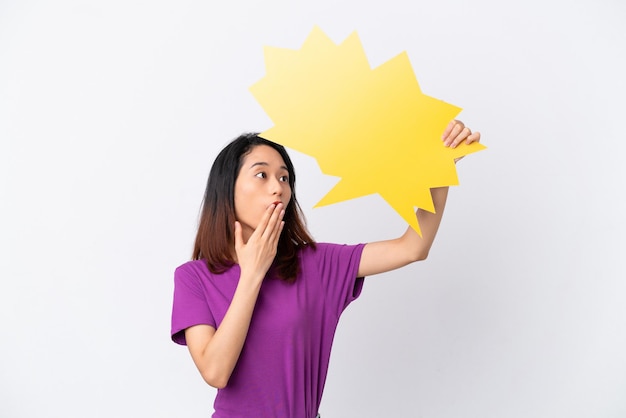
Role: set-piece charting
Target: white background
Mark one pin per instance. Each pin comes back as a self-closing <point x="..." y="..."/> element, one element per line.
<point x="112" y="112"/>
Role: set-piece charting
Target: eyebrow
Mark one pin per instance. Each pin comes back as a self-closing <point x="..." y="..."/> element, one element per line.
<point x="267" y="165"/>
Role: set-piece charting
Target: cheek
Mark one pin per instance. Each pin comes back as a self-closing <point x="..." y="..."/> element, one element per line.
<point x="244" y="191"/>
<point x="242" y="200"/>
<point x="248" y="207"/>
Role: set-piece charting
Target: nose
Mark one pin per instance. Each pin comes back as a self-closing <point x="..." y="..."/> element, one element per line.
<point x="276" y="187"/>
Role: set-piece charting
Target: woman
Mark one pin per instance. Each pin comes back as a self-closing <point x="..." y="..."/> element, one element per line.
<point x="259" y="304"/>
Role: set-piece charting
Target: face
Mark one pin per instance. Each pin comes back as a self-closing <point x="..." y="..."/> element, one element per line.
<point x="262" y="181"/>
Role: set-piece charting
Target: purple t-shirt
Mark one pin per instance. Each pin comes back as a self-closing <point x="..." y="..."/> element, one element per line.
<point x="283" y="364"/>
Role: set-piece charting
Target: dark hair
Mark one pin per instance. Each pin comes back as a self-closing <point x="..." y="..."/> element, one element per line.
<point x="215" y="238"/>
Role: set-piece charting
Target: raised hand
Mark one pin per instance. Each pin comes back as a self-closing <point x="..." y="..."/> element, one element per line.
<point x="257" y="254"/>
<point x="456" y="132"/>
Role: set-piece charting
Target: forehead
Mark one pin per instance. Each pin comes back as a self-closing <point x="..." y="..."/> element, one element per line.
<point x="263" y="154"/>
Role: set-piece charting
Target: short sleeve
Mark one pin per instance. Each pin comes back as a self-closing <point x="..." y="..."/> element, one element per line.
<point x="339" y="266"/>
<point x="190" y="306"/>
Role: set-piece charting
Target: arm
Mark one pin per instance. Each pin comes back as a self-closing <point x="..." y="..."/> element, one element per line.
<point x="383" y="256"/>
<point x="215" y="352"/>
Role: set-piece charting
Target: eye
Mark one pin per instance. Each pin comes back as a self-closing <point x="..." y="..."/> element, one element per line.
<point x="260" y="175"/>
<point x="284" y="178"/>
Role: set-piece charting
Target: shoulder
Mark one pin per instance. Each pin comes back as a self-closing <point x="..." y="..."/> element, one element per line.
<point x="199" y="269"/>
<point x="191" y="267"/>
<point x="327" y="250"/>
<point x="192" y="264"/>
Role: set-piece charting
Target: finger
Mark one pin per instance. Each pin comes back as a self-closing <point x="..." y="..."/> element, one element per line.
<point x="454" y="133"/>
<point x="273" y="221"/>
<point x="265" y="219"/>
<point x="465" y="133"/>
<point x="238" y="235"/>
<point x="281" y="226"/>
<point x="448" y="129"/>
<point x="474" y="137"/>
<point x="276" y="231"/>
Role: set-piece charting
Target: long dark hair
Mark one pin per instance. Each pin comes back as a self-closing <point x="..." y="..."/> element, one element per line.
<point x="215" y="238"/>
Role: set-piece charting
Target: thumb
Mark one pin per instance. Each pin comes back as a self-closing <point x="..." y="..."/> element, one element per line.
<point x="238" y="235"/>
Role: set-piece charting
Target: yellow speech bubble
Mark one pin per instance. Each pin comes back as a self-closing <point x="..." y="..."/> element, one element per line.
<point x="373" y="128"/>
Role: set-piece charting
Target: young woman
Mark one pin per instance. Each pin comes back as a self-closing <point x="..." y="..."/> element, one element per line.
<point x="259" y="304"/>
